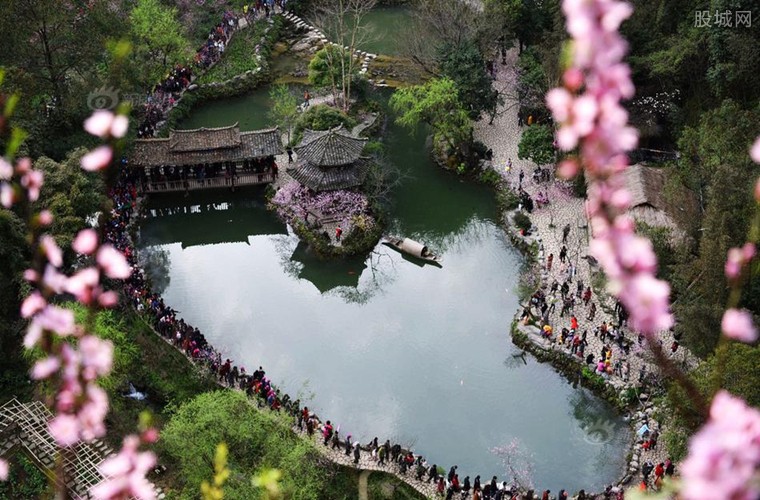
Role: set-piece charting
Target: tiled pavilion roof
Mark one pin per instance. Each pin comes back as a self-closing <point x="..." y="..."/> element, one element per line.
<point x="206" y="145"/>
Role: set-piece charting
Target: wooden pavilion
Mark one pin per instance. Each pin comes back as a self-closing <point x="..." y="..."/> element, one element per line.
<point x="206" y="158"/>
<point x="329" y="160"/>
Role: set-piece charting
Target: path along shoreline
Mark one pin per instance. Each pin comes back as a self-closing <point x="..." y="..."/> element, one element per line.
<point x="564" y="209"/>
<point x="502" y="137"/>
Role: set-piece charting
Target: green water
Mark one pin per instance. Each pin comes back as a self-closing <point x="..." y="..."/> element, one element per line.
<point x="387" y="28"/>
<point x="386" y="347"/>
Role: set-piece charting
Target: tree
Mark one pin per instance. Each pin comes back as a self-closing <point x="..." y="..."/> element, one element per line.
<point x="158" y="37"/>
<point x="284" y="110"/>
<point x="344" y="19"/>
<point x="537" y="145"/>
<point x="464" y="64"/>
<point x="437" y="103"/>
<point x="326" y="69"/>
<point x="46" y="39"/>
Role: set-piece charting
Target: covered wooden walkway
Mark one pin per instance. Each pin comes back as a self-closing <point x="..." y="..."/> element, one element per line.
<point x="205" y="158"/>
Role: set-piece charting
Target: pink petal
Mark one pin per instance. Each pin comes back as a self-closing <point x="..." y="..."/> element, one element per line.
<point x="737" y="324"/>
<point x="119" y="126"/>
<point x="113" y="262"/>
<point x="33" y="304"/>
<point x="45" y="367"/>
<point x="108" y="299"/>
<point x="97" y="159"/>
<point x="85" y="242"/>
<point x="6" y="169"/>
<point x="46" y="217"/>
<point x="3" y="470"/>
<point x="7" y="195"/>
<point x="754" y="152"/>
<point x="51" y="250"/>
<point x="65" y="429"/>
<point x="99" y="123"/>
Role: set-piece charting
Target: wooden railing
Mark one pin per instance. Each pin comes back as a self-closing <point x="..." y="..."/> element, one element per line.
<point x="243" y="179"/>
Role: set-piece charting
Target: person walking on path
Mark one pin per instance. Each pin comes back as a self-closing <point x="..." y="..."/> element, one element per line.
<point x="289" y="150"/>
<point x="306" y="98"/>
<point x="327" y="432"/>
<point x="348" y="445"/>
<point x="562" y="253"/>
<point x="549" y="261"/>
<point x="356" y="453"/>
<point x="338" y="233"/>
<point x="565" y="233"/>
<point x="591" y="312"/>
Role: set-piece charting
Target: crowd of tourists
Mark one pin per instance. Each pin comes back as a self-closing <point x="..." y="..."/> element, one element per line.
<point x="166" y="93"/>
<point x="194" y="345"/>
<point x="394" y="457"/>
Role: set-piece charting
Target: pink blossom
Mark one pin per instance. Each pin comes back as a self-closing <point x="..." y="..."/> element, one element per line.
<point x="119" y="126"/>
<point x="754" y="152"/>
<point x="54" y="279"/>
<point x="104" y="123"/>
<point x="6" y="170"/>
<point x="125" y="473"/>
<point x="32" y="182"/>
<point x="45" y="367"/>
<point x="737" y="258"/>
<point x="724" y="455"/>
<point x="51" y="250"/>
<point x="113" y="262"/>
<point x="97" y="356"/>
<point x="92" y="413"/>
<point x="591" y="118"/>
<point x="97" y="159"/>
<point x="757" y="190"/>
<point x="33" y="304"/>
<point x="737" y="324"/>
<point x="3" y="470"/>
<point x="85" y="242"/>
<point x="99" y="123"/>
<point x="82" y="284"/>
<point x="7" y="195"/>
<point x="108" y="299"/>
<point x="45" y="218"/>
<point x="65" y="429"/>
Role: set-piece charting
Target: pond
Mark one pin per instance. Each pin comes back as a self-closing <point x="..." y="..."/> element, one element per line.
<point x="385" y="347"/>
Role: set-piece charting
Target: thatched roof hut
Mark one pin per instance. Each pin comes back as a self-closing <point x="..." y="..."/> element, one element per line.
<point x="650" y="204"/>
<point x="206" y="145"/>
<point x="330" y="159"/>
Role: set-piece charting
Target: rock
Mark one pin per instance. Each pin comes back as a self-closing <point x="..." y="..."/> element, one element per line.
<point x="381" y="81"/>
<point x="301" y="46"/>
<point x="192" y="87"/>
<point x="242" y="23"/>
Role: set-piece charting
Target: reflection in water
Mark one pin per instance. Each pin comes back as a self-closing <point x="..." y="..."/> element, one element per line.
<point x="395" y="350"/>
<point x="155" y="261"/>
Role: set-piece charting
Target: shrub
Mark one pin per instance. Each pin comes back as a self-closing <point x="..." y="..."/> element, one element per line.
<point x="522" y="221"/>
<point x="321" y="117"/>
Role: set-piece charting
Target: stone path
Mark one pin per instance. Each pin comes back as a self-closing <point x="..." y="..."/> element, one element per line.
<point x="363" y="494"/>
<point x="548" y="222"/>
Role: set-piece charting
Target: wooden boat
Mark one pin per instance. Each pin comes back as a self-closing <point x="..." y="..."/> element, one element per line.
<point x="414" y="249"/>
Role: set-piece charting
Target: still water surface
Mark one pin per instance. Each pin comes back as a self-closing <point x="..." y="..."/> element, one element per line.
<point x="386" y="348"/>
